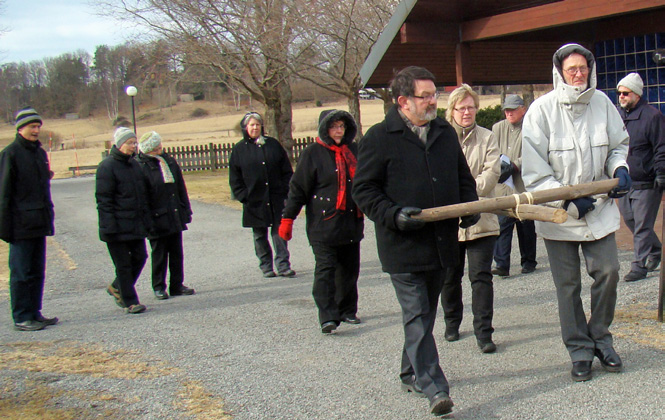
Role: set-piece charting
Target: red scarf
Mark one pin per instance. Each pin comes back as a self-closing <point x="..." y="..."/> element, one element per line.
<point x="346" y="163"/>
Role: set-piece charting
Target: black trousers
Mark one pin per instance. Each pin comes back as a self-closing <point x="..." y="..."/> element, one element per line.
<point x="335" y="288"/>
<point x="167" y="254"/>
<point x="129" y="258"/>
<point x="479" y="252"/>
<point x="418" y="295"/>
<point x="27" y="264"/>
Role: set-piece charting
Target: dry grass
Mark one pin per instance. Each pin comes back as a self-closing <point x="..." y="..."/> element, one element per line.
<point x="201" y="404"/>
<point x="211" y="187"/>
<point x="638" y="322"/>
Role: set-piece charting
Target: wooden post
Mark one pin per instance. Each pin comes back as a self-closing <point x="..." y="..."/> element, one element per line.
<point x="213" y="157"/>
<point x="531" y="212"/>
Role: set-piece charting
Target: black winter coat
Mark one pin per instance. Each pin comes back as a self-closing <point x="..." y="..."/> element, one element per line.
<point x="646" y="150"/>
<point x="169" y="205"/>
<point x="26" y="209"/>
<point x="259" y="177"/>
<point x="395" y="170"/>
<point x="314" y="185"/>
<point x="121" y="199"/>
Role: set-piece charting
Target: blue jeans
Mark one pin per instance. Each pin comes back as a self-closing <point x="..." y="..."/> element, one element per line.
<point x="639" y="209"/>
<point x="526" y="235"/>
<point x="27" y="265"/>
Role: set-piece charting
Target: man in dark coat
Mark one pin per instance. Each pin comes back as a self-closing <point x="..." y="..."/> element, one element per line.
<point x="123" y="217"/>
<point x="322" y="182"/>
<point x="170" y="212"/>
<point x="26" y="219"/>
<point x="259" y="175"/>
<point x="646" y="163"/>
<point x="412" y="160"/>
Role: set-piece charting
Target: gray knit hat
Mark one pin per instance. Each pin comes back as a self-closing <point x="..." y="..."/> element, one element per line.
<point x="26" y="116"/>
<point x="121" y="135"/>
<point x="634" y="82"/>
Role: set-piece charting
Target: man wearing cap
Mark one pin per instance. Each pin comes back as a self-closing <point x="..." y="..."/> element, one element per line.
<point x="26" y="219"/>
<point x="574" y="135"/>
<point x="646" y="160"/>
<point x="509" y="134"/>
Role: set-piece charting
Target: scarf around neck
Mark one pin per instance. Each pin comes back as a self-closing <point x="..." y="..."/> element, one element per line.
<point x="166" y="171"/>
<point x="345" y="162"/>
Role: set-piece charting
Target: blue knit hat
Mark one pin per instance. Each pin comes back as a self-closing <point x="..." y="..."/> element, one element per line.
<point x="26" y="116"/>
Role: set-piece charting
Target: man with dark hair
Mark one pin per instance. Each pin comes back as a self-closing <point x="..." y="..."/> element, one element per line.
<point x="646" y="160"/>
<point x="412" y="160"/>
<point x="574" y="135"/>
<point x="26" y="219"/>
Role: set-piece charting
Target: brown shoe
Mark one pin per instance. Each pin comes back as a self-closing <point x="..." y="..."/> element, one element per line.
<point x="136" y="308"/>
<point x="115" y="293"/>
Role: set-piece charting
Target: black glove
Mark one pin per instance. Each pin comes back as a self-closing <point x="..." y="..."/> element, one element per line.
<point x="468" y="221"/>
<point x="660" y="181"/>
<point x="404" y="221"/>
<point x="506" y="171"/>
<point x="624" y="183"/>
<point x="580" y="206"/>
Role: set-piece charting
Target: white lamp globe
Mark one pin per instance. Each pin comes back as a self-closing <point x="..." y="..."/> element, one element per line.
<point x="131" y="91"/>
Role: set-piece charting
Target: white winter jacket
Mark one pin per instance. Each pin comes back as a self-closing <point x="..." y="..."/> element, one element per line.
<point x="572" y="136"/>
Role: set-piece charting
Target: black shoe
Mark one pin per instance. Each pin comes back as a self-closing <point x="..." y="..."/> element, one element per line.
<point x="441" y="404"/>
<point x="46" y="321"/>
<point x="501" y="272"/>
<point x="269" y="274"/>
<point x="527" y="270"/>
<point x="351" y="319"/>
<point x="161" y="295"/>
<point x="29" y="325"/>
<point x="486" y="346"/>
<point x="451" y="334"/>
<point x="328" y="327"/>
<point x="652" y="264"/>
<point x="634" y="276"/>
<point x="287" y="273"/>
<point x="182" y="290"/>
<point x="409" y="385"/>
<point x="609" y="359"/>
<point x="581" y="371"/>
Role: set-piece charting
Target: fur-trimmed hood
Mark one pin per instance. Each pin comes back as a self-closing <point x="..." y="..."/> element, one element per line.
<point x="330" y="115"/>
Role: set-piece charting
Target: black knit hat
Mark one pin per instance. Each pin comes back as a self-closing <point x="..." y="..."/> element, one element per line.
<point x="26" y="116"/>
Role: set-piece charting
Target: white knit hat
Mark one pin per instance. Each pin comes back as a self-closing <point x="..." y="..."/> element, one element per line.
<point x="633" y="82"/>
<point x="149" y="141"/>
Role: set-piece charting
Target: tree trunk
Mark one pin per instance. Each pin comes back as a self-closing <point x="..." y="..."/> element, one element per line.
<point x="354" y="109"/>
<point x="528" y="95"/>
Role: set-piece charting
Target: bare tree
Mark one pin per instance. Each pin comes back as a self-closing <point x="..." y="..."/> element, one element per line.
<point x="109" y="72"/>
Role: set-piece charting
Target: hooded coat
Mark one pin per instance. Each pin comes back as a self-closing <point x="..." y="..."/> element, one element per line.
<point x="26" y="209"/>
<point x="395" y="170"/>
<point x="259" y="176"/>
<point x="315" y="185"/>
<point x="574" y="135"/>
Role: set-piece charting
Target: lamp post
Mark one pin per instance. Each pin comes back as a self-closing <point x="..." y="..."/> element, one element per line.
<point x="131" y="91"/>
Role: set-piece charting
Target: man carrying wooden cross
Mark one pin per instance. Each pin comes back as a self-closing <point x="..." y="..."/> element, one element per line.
<point x="570" y="136"/>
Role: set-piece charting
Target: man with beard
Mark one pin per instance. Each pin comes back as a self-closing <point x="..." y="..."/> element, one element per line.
<point x="410" y="161"/>
<point x="646" y="160"/>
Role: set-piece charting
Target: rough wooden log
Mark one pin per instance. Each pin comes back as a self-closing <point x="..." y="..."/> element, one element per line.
<point x="533" y="212"/>
<point x="488" y="205"/>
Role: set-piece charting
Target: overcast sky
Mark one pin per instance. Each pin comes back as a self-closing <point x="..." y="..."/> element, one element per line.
<point x="47" y="28"/>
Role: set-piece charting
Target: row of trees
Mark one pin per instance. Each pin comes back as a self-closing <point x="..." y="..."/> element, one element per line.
<point x="253" y="47"/>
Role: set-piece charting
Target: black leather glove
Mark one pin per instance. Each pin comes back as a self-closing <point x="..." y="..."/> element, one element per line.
<point x="468" y="221"/>
<point x="580" y="206"/>
<point x="624" y="183"/>
<point x="660" y="181"/>
<point x="404" y="221"/>
<point x="506" y="171"/>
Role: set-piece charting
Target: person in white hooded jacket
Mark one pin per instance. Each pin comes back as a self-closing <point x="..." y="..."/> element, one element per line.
<point x="574" y="135"/>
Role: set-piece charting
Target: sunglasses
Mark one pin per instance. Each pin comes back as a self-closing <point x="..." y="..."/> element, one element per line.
<point x="622" y="93"/>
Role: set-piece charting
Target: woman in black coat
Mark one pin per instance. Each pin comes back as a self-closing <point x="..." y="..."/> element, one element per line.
<point x="170" y="212"/>
<point x="259" y="175"/>
<point x="322" y="182"/>
<point x="123" y="217"/>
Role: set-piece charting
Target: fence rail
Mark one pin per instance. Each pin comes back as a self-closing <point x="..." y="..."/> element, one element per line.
<point x="216" y="156"/>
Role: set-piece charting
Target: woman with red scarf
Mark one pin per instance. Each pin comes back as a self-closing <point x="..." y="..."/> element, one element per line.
<point x="322" y="182"/>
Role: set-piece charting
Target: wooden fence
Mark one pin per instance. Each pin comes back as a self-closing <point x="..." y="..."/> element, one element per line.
<point x="216" y="156"/>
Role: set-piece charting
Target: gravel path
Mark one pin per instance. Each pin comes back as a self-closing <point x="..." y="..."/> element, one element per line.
<point x="254" y="346"/>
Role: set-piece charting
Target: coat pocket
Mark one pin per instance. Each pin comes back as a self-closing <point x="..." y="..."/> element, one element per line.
<point x="160" y="219"/>
<point x="30" y="217"/>
<point x="562" y="156"/>
<point x="126" y="221"/>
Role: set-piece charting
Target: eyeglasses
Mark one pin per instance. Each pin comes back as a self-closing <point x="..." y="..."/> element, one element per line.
<point x="623" y="93"/>
<point x="427" y="98"/>
<point x="469" y="109"/>
<point x="572" y="71"/>
<point x="338" y="127"/>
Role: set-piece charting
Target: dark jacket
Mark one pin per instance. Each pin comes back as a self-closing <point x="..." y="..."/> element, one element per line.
<point x="259" y="177"/>
<point x="169" y="206"/>
<point x="315" y="185"/>
<point x="121" y="199"/>
<point x="646" y="150"/>
<point x="26" y="209"/>
<point x="395" y="170"/>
